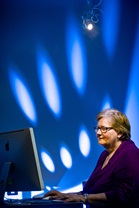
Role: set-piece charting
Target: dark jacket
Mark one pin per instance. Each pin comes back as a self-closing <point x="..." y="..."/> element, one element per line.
<point x="119" y="179"/>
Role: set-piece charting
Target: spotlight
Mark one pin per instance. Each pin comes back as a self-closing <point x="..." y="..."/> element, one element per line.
<point x="88" y="24"/>
<point x="91" y="16"/>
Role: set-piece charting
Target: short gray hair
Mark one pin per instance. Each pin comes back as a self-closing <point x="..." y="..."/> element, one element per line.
<point x="120" y="122"/>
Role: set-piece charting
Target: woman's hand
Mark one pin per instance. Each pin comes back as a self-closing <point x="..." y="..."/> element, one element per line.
<point x="74" y="198"/>
<point x="67" y="197"/>
<point x="54" y="194"/>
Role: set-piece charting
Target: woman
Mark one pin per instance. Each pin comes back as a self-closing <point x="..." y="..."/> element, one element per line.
<point x="115" y="180"/>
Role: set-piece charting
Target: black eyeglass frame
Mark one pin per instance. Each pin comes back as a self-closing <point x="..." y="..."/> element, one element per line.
<point x="103" y="129"/>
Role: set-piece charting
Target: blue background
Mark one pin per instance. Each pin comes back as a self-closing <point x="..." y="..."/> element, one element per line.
<point x="42" y="41"/>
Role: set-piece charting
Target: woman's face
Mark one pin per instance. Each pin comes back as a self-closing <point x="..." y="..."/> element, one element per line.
<point x="110" y="138"/>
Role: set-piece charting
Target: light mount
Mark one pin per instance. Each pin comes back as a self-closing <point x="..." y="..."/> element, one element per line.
<point x="91" y="15"/>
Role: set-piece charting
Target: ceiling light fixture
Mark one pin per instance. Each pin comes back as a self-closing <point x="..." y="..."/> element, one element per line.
<point x="92" y="15"/>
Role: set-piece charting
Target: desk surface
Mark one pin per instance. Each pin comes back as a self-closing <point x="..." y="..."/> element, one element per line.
<point x="49" y="205"/>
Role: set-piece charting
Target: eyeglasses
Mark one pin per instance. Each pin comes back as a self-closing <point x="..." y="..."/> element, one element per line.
<point x="103" y="129"/>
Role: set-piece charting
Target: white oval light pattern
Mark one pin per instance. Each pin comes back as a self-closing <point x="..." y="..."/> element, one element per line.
<point x="23" y="97"/>
<point x="66" y="157"/>
<point x="77" y="67"/>
<point x="50" y="88"/>
<point x="76" y="56"/>
<point x="84" y="142"/>
<point x="47" y="161"/>
<point x="49" y="85"/>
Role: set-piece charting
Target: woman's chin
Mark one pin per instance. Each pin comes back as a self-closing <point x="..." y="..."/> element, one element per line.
<point x="101" y="142"/>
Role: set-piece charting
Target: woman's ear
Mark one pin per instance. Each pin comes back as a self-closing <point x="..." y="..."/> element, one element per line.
<point x="119" y="135"/>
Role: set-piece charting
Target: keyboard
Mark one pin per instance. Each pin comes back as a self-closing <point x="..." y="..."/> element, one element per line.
<point x="31" y="201"/>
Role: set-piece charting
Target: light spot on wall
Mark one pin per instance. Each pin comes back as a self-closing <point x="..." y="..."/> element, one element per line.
<point x="110" y="25"/>
<point x="84" y="142"/>
<point x="23" y="96"/>
<point x="49" y="85"/>
<point x="76" y="57"/>
<point x="66" y="157"/>
<point x="47" y="161"/>
<point x="132" y="101"/>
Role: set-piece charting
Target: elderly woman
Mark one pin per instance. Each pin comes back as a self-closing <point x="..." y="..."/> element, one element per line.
<point x="115" y="179"/>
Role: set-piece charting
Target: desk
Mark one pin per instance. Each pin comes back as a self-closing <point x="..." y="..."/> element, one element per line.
<point x="49" y="205"/>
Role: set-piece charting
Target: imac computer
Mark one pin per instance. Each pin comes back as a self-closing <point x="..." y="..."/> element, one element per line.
<point x="19" y="162"/>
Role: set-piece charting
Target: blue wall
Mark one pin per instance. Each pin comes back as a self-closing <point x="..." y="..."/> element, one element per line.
<point x="55" y="76"/>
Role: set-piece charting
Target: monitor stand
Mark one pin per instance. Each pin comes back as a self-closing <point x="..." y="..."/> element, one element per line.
<point x="4" y="180"/>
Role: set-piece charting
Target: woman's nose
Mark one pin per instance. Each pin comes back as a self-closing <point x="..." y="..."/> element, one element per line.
<point x="98" y="132"/>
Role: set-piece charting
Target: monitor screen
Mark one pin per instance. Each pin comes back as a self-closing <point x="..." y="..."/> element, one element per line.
<point x="18" y="148"/>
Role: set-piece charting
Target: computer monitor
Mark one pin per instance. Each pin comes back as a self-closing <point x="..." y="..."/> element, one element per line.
<point x="19" y="162"/>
